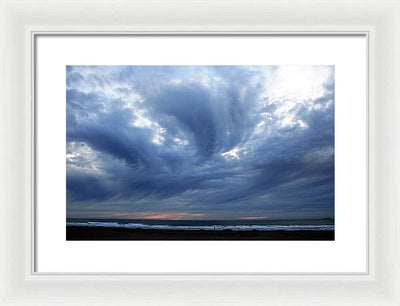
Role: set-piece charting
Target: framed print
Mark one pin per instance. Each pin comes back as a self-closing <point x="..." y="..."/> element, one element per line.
<point x="171" y="153"/>
<point x="176" y="146"/>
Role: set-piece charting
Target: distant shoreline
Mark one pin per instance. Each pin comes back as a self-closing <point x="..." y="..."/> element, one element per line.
<point x="75" y="233"/>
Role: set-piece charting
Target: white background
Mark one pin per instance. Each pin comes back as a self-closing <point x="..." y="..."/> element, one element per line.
<point x="348" y="253"/>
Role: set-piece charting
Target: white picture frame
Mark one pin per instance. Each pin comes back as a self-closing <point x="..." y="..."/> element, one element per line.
<point x="21" y="21"/>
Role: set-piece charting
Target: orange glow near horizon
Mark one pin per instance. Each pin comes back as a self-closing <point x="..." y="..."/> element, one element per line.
<point x="173" y="217"/>
<point x="178" y="216"/>
<point x="253" y="218"/>
<point x="160" y="217"/>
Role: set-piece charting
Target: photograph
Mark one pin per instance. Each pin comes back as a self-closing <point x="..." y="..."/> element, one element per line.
<point x="200" y="152"/>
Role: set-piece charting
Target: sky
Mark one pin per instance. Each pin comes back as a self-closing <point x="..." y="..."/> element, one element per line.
<point x="200" y="142"/>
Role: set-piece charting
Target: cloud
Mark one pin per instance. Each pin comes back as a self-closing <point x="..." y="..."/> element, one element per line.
<point x="212" y="142"/>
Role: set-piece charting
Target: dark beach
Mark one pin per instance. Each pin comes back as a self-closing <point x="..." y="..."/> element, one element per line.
<point x="105" y="233"/>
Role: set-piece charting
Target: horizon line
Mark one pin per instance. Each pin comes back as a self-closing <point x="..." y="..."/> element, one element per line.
<point x="242" y="219"/>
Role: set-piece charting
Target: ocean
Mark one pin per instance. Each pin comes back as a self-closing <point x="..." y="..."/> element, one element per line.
<point x="209" y="225"/>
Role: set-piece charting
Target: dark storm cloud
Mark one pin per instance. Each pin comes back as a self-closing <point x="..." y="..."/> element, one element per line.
<point x="223" y="141"/>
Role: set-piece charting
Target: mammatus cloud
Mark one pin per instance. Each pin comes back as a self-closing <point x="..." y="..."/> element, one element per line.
<point x="200" y="142"/>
